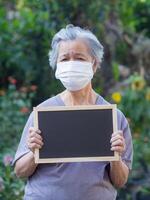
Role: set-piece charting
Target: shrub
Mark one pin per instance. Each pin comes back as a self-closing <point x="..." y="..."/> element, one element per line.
<point x="10" y="186"/>
<point x="134" y="101"/>
<point x="15" y="105"/>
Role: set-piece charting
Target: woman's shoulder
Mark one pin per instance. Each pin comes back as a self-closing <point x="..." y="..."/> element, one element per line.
<point x="52" y="101"/>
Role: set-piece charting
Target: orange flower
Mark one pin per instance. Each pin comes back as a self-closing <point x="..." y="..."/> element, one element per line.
<point x="24" y="110"/>
<point x="33" y="88"/>
<point x="12" y="80"/>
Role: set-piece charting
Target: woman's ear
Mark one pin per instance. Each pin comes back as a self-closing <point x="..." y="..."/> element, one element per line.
<point x="95" y="66"/>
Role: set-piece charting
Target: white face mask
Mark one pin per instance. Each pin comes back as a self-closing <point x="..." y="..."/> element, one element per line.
<point x="74" y="75"/>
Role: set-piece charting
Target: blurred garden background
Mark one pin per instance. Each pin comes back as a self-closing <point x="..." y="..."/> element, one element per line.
<point x="26" y="30"/>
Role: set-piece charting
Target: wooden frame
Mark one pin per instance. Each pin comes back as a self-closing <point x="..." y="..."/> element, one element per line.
<point x="116" y="156"/>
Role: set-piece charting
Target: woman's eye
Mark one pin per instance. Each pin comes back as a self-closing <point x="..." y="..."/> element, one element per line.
<point x="80" y="59"/>
<point x="64" y="59"/>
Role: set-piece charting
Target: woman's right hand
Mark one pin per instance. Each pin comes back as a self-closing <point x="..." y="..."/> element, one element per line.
<point x="34" y="140"/>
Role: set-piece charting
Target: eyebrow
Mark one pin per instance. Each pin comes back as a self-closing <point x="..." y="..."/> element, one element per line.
<point x="76" y="54"/>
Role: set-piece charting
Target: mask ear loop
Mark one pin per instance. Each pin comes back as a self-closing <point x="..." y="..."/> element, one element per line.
<point x="93" y="62"/>
<point x="94" y="70"/>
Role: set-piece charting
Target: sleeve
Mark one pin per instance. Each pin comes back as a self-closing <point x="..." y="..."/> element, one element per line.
<point x="22" y="147"/>
<point x="127" y="156"/>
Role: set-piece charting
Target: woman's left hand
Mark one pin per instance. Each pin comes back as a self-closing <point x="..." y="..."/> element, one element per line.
<point x="118" y="142"/>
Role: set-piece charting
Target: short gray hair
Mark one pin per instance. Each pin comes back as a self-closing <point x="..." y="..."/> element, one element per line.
<point x="72" y="32"/>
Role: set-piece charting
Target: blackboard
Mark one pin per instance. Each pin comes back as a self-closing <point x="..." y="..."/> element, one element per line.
<point x="75" y="134"/>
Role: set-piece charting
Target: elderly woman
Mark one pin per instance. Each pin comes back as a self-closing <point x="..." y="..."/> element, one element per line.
<point x="76" y="54"/>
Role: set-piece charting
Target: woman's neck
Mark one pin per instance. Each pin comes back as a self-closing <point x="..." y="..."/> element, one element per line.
<point x="86" y="96"/>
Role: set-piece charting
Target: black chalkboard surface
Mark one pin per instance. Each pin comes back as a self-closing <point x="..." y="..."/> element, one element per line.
<point x="75" y="134"/>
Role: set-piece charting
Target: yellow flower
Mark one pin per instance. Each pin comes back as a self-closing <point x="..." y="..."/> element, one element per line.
<point x="138" y="84"/>
<point x="116" y="96"/>
<point x="147" y="96"/>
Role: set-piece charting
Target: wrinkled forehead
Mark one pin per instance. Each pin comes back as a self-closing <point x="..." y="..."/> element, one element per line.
<point x="73" y="47"/>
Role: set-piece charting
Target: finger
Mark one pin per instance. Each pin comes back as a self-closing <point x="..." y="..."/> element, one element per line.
<point x="33" y="129"/>
<point x="116" y="137"/>
<point x="120" y="132"/>
<point x="118" y="149"/>
<point x="35" y="135"/>
<point x="35" y="140"/>
<point x="117" y="143"/>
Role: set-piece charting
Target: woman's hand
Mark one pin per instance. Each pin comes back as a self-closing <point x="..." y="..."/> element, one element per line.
<point x="118" y="142"/>
<point x="25" y="166"/>
<point x="118" y="169"/>
<point x="34" y="140"/>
